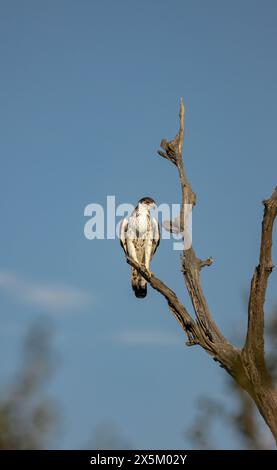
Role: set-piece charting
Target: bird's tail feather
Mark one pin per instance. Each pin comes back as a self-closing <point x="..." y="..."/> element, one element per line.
<point x="139" y="284"/>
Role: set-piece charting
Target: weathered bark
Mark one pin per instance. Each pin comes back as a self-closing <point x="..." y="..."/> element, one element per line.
<point x="263" y="393"/>
<point x="246" y="366"/>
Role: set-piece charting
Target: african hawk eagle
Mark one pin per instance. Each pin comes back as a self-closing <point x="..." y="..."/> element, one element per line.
<point x="139" y="238"/>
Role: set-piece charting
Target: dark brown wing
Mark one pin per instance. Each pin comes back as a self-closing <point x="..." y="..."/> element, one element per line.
<point x="156" y="236"/>
<point x="122" y="236"/>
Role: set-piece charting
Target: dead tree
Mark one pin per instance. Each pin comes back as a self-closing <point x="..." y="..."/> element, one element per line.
<point x="247" y="365"/>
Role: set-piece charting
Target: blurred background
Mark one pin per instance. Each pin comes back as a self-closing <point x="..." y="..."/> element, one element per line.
<point x="87" y="91"/>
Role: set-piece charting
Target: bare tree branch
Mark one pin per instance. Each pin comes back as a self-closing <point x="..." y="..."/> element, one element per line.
<point x="191" y="265"/>
<point x="247" y="367"/>
<point x="224" y="353"/>
<point x="254" y="346"/>
<point x="179" y="311"/>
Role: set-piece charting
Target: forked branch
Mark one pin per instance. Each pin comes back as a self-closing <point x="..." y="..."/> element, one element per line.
<point x="246" y="366"/>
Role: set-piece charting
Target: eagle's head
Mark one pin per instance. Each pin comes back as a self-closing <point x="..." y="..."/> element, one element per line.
<point x="147" y="202"/>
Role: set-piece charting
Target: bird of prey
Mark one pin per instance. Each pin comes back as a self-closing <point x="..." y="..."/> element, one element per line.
<point x="139" y="238"/>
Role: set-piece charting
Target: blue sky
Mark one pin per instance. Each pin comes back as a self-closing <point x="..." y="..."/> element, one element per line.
<point x="87" y="91"/>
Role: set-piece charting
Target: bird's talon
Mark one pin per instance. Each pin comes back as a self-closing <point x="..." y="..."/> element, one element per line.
<point x="146" y="269"/>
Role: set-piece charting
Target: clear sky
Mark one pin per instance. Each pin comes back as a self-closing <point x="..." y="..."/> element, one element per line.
<point x="87" y="91"/>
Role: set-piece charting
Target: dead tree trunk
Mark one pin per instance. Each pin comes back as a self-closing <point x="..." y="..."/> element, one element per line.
<point x="246" y="366"/>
